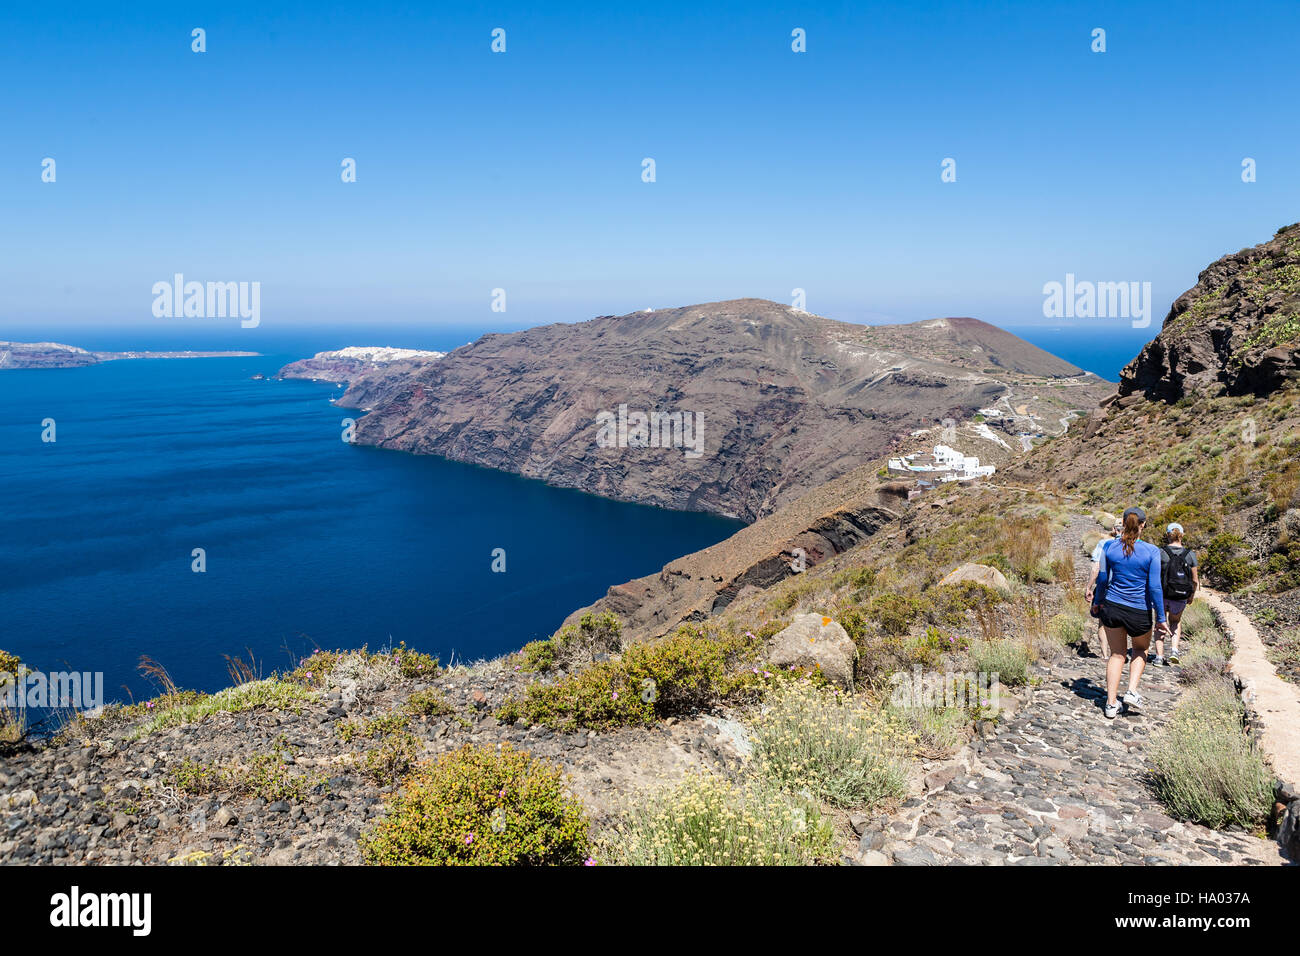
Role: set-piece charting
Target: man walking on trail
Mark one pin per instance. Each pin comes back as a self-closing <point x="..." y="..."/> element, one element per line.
<point x="1179" y="579"/>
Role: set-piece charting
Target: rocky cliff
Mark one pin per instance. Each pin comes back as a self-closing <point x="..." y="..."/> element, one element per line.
<point x="43" y="355"/>
<point x="825" y="522"/>
<point x="1237" y="329"/>
<point x="778" y="401"/>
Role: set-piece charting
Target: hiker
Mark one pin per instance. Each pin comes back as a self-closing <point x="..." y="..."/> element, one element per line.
<point x="1128" y="590"/>
<point x="1116" y="528"/>
<point x="1179" y="580"/>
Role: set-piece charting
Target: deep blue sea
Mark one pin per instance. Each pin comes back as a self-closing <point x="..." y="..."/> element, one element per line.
<point x="1103" y="350"/>
<point x="309" y="541"/>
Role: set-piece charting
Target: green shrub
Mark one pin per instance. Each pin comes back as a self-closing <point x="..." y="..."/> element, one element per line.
<point x="594" y="637"/>
<point x="1025" y="542"/>
<point x="674" y="675"/>
<point x="937" y="731"/>
<point x="1223" y="566"/>
<point x="1069" y="627"/>
<point x="893" y="612"/>
<point x="855" y="579"/>
<point x="163" y="702"/>
<point x="709" y="821"/>
<point x="10" y="666"/>
<point x="413" y="663"/>
<point x="929" y="648"/>
<point x="838" y="749"/>
<point x="948" y="604"/>
<point x="1006" y="658"/>
<point x="1197" y="619"/>
<point x="1204" y="768"/>
<point x="387" y="763"/>
<point x="13" y="720"/>
<point x="428" y="703"/>
<point x="193" y="776"/>
<point x="996" y="560"/>
<point x="855" y="624"/>
<point x="271" y="693"/>
<point x="266" y="775"/>
<point x="537" y="655"/>
<point x="380" y="726"/>
<point x="314" y="670"/>
<point x="481" y="806"/>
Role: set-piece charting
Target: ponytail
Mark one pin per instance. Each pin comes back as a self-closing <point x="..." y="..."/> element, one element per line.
<point x="1132" y="527"/>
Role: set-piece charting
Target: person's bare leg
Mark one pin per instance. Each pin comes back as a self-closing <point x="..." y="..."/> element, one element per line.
<point x="1139" y="663"/>
<point x="1175" y="632"/>
<point x="1117" y="642"/>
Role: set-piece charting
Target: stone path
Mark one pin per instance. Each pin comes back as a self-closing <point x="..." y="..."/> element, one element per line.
<point x="1057" y="783"/>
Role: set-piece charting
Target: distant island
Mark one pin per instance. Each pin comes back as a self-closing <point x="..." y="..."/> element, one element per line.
<point x="54" y="355"/>
<point x="739" y="407"/>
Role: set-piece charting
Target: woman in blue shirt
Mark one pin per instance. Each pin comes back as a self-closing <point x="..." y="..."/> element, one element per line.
<point x="1127" y="592"/>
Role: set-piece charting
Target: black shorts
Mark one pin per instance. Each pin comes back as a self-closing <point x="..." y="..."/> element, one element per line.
<point x="1135" y="622"/>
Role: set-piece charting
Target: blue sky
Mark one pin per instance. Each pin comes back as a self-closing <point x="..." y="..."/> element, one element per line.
<point x="522" y="170"/>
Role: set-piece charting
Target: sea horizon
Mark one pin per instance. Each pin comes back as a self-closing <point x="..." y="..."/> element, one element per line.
<point x="1103" y="349"/>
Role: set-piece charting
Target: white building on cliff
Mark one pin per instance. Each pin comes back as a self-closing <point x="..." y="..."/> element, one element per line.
<point x="943" y="464"/>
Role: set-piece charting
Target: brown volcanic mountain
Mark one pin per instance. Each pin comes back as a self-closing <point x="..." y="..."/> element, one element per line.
<point x="1214" y="447"/>
<point x="787" y="400"/>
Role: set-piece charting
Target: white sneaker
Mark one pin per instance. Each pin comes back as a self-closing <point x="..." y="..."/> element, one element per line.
<point x="1112" y="710"/>
<point x="1133" y="702"/>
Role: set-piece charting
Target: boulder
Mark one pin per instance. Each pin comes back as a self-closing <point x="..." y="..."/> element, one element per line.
<point x="813" y="639"/>
<point x="979" y="573"/>
<point x="1288" y="834"/>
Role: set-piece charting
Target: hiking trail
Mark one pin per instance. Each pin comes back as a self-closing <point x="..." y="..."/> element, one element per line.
<point x="1055" y="782"/>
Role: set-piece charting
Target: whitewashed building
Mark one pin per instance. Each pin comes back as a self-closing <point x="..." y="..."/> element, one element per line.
<point x="943" y="464"/>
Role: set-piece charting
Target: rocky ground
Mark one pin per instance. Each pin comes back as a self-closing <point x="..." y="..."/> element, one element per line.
<point x="105" y="800"/>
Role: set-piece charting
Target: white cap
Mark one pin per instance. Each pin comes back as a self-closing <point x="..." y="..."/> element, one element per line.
<point x="1174" y="527"/>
